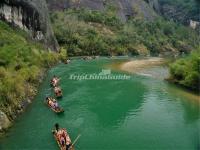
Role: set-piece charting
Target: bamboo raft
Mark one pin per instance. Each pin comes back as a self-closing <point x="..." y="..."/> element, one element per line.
<point x="58" y="110"/>
<point x="58" y="94"/>
<point x="54" y="84"/>
<point x="59" y="144"/>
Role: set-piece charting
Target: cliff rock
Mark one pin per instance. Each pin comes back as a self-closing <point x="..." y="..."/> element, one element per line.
<point x="32" y="16"/>
<point x="4" y="121"/>
<point x="125" y="8"/>
<point x="177" y="10"/>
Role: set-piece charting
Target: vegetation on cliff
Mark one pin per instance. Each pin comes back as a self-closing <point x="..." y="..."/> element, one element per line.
<point x="180" y="10"/>
<point x="186" y="71"/>
<point x="22" y="65"/>
<point x="89" y="32"/>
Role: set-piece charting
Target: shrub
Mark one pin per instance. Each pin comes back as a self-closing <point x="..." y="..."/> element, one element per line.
<point x="186" y="71"/>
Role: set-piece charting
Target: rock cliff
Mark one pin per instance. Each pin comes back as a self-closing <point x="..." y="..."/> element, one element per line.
<point x="32" y="16"/>
<point x="125" y="8"/>
<point x="177" y="10"/>
<point x="4" y="121"/>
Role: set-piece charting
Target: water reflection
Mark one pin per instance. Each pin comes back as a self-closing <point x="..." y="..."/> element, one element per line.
<point x="189" y="101"/>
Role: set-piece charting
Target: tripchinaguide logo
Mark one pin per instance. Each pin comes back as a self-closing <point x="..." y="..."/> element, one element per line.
<point x="105" y="74"/>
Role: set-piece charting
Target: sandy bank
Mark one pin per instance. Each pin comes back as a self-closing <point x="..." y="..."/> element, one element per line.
<point x="140" y="64"/>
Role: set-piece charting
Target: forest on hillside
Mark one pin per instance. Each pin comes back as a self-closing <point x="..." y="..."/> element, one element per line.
<point x="87" y="32"/>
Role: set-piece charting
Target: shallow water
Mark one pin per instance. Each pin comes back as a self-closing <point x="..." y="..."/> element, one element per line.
<point x="139" y="113"/>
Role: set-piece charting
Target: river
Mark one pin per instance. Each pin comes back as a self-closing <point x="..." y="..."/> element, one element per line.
<point x="142" y="112"/>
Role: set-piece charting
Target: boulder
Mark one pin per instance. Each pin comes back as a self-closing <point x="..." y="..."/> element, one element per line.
<point x="4" y="121"/>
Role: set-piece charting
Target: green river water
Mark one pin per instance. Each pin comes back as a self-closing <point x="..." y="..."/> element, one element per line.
<point x="142" y="112"/>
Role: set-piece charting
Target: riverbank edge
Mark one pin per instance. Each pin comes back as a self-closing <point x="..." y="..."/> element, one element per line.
<point x="153" y="62"/>
<point x="23" y="105"/>
<point x="176" y="82"/>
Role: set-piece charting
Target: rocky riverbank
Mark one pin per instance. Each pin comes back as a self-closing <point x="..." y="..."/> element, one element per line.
<point x="8" y="113"/>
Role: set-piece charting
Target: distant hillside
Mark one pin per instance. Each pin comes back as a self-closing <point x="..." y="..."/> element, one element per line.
<point x="178" y="10"/>
<point x="91" y="32"/>
<point x="125" y="8"/>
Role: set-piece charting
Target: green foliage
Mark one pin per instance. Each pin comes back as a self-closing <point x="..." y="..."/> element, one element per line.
<point x="21" y="65"/>
<point x="107" y="18"/>
<point x="187" y="8"/>
<point x="87" y="32"/>
<point x="186" y="71"/>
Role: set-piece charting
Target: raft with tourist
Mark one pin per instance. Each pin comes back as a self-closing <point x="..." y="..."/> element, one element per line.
<point x="54" y="81"/>
<point x="53" y="105"/>
<point x="58" y="92"/>
<point x="62" y="138"/>
<point x="67" y="61"/>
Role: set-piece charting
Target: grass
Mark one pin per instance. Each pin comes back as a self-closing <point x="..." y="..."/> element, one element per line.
<point x="22" y="65"/>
